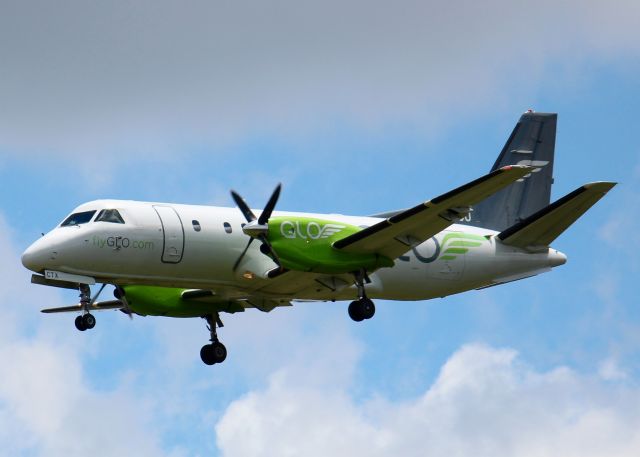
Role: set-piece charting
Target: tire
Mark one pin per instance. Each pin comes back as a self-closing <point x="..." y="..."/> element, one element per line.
<point x="207" y="354"/>
<point x="88" y="321"/>
<point x="80" y="324"/>
<point x="219" y="352"/>
<point x="355" y="311"/>
<point x="368" y="308"/>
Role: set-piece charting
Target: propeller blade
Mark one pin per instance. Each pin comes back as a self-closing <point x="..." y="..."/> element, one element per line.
<point x="119" y="294"/>
<point x="127" y="307"/>
<point x="248" y="214"/>
<point x="235" y="265"/>
<point x="274" y="256"/>
<point x="268" y="209"/>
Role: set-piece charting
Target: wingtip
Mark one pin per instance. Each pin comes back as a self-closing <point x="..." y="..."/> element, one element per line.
<point x="604" y="186"/>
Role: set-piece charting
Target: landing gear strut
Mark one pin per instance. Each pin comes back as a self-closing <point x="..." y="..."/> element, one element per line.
<point x="86" y="321"/>
<point x="215" y="352"/>
<point x="362" y="308"/>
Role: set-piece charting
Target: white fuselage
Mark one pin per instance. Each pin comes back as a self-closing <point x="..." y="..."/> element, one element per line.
<point x="193" y="246"/>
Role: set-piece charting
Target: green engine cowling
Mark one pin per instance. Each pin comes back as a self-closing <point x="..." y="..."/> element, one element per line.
<point x="168" y="301"/>
<point x="306" y="244"/>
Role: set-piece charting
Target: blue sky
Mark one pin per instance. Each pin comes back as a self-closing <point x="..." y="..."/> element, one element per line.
<point x="356" y="108"/>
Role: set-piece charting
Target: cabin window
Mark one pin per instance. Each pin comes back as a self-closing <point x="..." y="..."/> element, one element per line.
<point x="196" y="225"/>
<point x="110" y="215"/>
<point x="78" y="218"/>
<point x="227" y="227"/>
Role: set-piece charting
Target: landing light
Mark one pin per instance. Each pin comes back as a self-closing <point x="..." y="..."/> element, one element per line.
<point x="248" y="275"/>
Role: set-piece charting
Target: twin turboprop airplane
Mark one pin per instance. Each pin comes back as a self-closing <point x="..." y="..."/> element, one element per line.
<point x="199" y="261"/>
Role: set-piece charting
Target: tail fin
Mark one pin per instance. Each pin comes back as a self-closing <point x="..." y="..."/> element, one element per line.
<point x="540" y="229"/>
<point x="532" y="142"/>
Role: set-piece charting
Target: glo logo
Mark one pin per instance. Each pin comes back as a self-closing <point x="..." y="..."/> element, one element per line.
<point x="308" y="230"/>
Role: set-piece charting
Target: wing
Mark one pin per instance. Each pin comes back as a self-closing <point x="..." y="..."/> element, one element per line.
<point x="252" y="300"/>
<point x="399" y="233"/>
<point x="98" y="306"/>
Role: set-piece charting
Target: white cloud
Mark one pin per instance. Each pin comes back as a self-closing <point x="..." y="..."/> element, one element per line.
<point x="610" y="370"/>
<point x="53" y="411"/>
<point x="102" y="80"/>
<point x="485" y="401"/>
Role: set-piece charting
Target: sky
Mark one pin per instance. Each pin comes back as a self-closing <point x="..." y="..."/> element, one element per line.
<point x="357" y="107"/>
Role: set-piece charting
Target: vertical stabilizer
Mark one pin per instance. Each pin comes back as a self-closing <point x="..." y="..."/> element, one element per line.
<point x="532" y="142"/>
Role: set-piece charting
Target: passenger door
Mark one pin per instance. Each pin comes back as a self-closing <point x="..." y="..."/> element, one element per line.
<point x="173" y="233"/>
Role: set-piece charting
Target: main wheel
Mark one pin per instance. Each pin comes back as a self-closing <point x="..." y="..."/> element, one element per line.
<point x="219" y="352"/>
<point x="368" y="308"/>
<point x="356" y="311"/>
<point x="207" y="354"/>
<point x="80" y="324"/>
<point x="89" y="321"/>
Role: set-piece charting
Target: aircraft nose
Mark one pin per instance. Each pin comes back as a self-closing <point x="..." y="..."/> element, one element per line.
<point x="37" y="256"/>
<point x="556" y="258"/>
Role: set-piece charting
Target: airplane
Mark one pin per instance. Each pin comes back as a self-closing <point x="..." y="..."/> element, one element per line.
<point x="178" y="260"/>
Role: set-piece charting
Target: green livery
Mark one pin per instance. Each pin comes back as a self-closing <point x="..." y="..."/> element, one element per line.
<point x="172" y="302"/>
<point x="459" y="243"/>
<point x="306" y="244"/>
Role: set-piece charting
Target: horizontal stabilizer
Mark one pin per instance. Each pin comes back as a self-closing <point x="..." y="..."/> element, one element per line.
<point x="98" y="306"/>
<point x="541" y="228"/>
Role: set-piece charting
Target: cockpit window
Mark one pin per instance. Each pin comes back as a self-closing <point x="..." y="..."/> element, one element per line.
<point x="78" y="218"/>
<point x="110" y="215"/>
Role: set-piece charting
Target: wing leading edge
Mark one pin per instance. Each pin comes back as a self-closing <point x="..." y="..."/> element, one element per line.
<point x="397" y="234"/>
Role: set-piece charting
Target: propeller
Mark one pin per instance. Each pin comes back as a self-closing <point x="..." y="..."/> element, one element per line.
<point x="120" y="295"/>
<point x="257" y="228"/>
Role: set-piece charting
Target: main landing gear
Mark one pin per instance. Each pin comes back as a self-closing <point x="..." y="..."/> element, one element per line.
<point x="86" y="321"/>
<point x="362" y="308"/>
<point x="215" y="352"/>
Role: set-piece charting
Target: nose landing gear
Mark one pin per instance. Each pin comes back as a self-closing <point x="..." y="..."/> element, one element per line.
<point x="86" y="321"/>
<point x="362" y="308"/>
<point x="215" y="352"/>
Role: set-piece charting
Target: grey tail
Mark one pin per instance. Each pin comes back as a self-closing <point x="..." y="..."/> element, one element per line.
<point x="532" y="142"/>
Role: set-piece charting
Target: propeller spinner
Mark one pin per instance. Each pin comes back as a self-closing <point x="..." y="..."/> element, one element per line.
<point x="257" y="228"/>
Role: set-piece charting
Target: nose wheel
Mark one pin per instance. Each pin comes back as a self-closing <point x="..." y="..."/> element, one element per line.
<point x="362" y="308"/>
<point x="86" y="321"/>
<point x="215" y="352"/>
